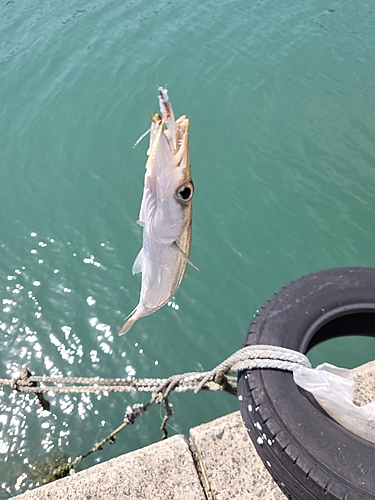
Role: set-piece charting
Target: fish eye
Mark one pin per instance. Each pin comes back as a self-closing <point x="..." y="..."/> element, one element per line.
<point x="185" y="193"/>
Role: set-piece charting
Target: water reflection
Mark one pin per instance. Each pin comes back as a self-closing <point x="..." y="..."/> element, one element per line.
<point x="47" y="345"/>
<point x="283" y="162"/>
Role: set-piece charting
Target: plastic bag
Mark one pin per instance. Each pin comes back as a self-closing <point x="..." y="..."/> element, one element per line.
<point x="333" y="388"/>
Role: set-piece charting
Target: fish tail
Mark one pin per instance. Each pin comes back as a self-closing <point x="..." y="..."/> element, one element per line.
<point x="129" y="322"/>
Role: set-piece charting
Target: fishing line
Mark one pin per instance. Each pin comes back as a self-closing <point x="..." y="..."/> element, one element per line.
<point x="174" y="428"/>
<point x="157" y="73"/>
<point x="157" y="66"/>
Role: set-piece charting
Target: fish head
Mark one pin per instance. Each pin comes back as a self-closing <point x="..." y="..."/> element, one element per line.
<point x="184" y="188"/>
<point x="168" y="190"/>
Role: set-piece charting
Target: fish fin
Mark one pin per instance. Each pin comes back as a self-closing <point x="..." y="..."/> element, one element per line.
<point x="137" y="266"/>
<point x="185" y="257"/>
<point x="140" y="222"/>
<point x="129" y="322"/>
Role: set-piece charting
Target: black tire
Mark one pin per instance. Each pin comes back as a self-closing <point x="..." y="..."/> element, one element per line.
<point x="310" y="455"/>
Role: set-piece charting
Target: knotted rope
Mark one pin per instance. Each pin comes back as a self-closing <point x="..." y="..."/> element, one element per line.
<point x="247" y="358"/>
<point x="218" y="379"/>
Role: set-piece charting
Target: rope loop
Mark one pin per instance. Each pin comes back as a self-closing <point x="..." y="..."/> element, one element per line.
<point x="23" y="380"/>
<point x="247" y="358"/>
<point x="218" y="379"/>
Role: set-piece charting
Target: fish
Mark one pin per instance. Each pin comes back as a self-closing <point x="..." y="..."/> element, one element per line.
<point x="165" y="213"/>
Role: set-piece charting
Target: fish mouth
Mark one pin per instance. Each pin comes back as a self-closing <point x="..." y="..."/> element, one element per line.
<point x="181" y="140"/>
<point x="172" y="134"/>
<point x="166" y="133"/>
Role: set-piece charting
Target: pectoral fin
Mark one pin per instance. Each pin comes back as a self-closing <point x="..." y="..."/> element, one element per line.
<point x="137" y="266"/>
<point x="184" y="256"/>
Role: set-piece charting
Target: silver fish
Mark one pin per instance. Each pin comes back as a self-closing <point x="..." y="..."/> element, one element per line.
<point x="165" y="213"/>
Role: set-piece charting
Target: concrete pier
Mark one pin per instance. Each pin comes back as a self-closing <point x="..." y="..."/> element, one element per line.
<point x="217" y="461"/>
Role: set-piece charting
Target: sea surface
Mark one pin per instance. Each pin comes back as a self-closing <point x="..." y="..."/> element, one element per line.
<point x="281" y="99"/>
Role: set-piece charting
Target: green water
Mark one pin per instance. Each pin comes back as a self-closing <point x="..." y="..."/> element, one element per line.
<point x="281" y="101"/>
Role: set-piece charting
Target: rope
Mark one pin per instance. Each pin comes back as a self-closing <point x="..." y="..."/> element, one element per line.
<point x="218" y="379"/>
<point x="247" y="358"/>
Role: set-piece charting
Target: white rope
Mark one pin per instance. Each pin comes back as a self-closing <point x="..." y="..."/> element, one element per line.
<point x="247" y="358"/>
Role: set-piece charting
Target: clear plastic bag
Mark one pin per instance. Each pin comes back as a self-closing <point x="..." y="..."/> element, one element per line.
<point x="333" y="388"/>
